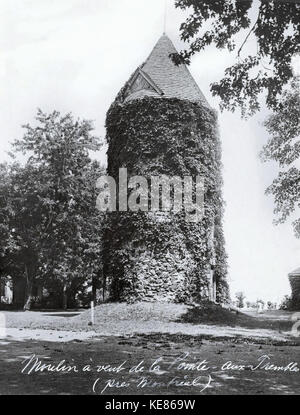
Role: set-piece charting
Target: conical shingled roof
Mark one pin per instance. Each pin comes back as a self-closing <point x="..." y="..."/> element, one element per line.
<point x="167" y="80"/>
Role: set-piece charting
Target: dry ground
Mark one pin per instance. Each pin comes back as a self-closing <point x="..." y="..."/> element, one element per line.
<point x="143" y="333"/>
<point x="146" y="318"/>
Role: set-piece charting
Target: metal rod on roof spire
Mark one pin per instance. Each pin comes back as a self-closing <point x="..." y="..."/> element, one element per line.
<point x="165" y="17"/>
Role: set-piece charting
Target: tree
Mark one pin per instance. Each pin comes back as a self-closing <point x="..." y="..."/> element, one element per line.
<point x="75" y="242"/>
<point x="240" y="297"/>
<point x="286" y="303"/>
<point x="6" y="241"/>
<point x="283" y="147"/>
<point x="260" y="304"/>
<point x="271" y="306"/>
<point x="21" y="226"/>
<point x="50" y="206"/>
<point x="4" y="211"/>
<point x="275" y="28"/>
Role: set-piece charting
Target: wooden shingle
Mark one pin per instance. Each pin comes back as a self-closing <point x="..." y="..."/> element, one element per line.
<point x="173" y="81"/>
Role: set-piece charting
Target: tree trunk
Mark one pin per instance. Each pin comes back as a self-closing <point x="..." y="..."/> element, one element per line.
<point x="28" y="292"/>
<point x="0" y="291"/>
<point x="94" y="290"/>
<point x="65" y="298"/>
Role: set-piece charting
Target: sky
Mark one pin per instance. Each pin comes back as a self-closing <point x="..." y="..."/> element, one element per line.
<point x="75" y="55"/>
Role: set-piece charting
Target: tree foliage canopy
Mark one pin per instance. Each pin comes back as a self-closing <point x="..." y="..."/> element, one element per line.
<point x="283" y="147"/>
<point x="51" y="229"/>
<point x="276" y="29"/>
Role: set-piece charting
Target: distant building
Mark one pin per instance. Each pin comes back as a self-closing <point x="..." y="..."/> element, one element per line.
<point x="6" y="291"/>
<point x="294" y="278"/>
<point x="13" y="290"/>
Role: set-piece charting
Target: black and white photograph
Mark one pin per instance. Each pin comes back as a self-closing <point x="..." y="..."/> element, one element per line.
<point x="149" y="200"/>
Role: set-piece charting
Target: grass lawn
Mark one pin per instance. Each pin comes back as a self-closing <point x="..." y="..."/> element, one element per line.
<point x="145" y="318"/>
<point x="140" y="334"/>
<point x="145" y="350"/>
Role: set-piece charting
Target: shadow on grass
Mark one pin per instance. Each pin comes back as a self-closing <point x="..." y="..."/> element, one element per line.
<point x="63" y="315"/>
<point x="213" y="314"/>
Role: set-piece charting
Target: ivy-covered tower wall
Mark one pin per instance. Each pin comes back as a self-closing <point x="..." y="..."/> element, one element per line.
<point x="164" y="126"/>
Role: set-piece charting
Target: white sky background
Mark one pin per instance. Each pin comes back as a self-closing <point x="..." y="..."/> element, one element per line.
<point x="75" y="55"/>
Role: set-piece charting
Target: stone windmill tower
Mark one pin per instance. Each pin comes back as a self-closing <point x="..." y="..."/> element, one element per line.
<point x="161" y="124"/>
